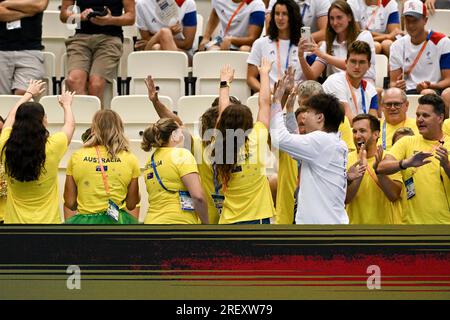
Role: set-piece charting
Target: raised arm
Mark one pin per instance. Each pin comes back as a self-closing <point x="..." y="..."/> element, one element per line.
<point x="391" y="188"/>
<point x="264" y="93"/>
<point x="390" y="165"/>
<point x="35" y="88"/>
<point x="161" y="109"/>
<point x="226" y="74"/>
<point x="65" y="101"/>
<point x="315" y="70"/>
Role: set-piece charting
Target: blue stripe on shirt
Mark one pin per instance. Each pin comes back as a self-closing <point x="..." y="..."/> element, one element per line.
<point x="444" y="62"/>
<point x="374" y="103"/>
<point x="394" y="18"/>
<point x="190" y="19"/>
<point x="310" y="59"/>
<point x="257" y="18"/>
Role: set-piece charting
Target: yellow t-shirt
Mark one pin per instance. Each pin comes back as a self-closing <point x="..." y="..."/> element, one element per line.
<point x="390" y="130"/>
<point x="370" y="205"/>
<point x="248" y="196"/>
<point x="430" y="205"/>
<point x="3" y="192"/>
<point x="287" y="182"/>
<point x="202" y="156"/>
<point x="83" y="166"/>
<point x="346" y="134"/>
<point x="446" y="127"/>
<point x="36" y="201"/>
<point x="164" y="206"/>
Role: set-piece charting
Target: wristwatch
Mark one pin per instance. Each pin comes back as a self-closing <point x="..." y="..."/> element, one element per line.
<point x="225" y="84"/>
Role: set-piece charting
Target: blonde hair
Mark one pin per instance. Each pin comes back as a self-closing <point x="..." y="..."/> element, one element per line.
<point x="158" y="134"/>
<point x="107" y="131"/>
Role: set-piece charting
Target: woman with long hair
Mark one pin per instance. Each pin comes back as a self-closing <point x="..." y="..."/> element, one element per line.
<point x="102" y="177"/>
<point x="279" y="46"/>
<point x="31" y="157"/>
<point x="239" y="153"/>
<point x="342" y="30"/>
<point x="175" y="193"/>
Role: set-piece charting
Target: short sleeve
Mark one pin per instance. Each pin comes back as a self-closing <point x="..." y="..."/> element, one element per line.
<point x="444" y="61"/>
<point x="140" y="20"/>
<point x="69" y="170"/>
<point x="256" y="53"/>
<point x="134" y="163"/>
<point x="6" y="133"/>
<point x="57" y="143"/>
<point x="257" y="142"/>
<point x="398" y="150"/>
<point x="323" y="7"/>
<point x="184" y="162"/>
<point x="395" y="57"/>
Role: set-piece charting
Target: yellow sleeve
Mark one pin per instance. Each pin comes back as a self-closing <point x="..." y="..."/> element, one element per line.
<point x="135" y="170"/>
<point x="6" y="133"/>
<point x="398" y="150"/>
<point x="58" y="141"/>
<point x="185" y="162"/>
<point x="69" y="170"/>
<point x="257" y="142"/>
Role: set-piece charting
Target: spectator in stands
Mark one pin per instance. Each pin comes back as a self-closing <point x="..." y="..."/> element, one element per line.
<point x="31" y="158"/>
<point x="432" y="5"/>
<point x="342" y="31"/>
<point x="372" y="198"/>
<point x="156" y="34"/>
<point x="93" y="53"/>
<point x="381" y="18"/>
<point x="241" y="23"/>
<point x="323" y="155"/>
<point x="280" y="46"/>
<point x="420" y="61"/>
<point x="21" y="58"/>
<point x="175" y="193"/>
<point x="394" y="105"/>
<point x="313" y="13"/>
<point x="424" y="164"/>
<point x="241" y="157"/>
<point x="356" y="94"/>
<point x="199" y="147"/>
<point x="402" y="132"/>
<point x="102" y="177"/>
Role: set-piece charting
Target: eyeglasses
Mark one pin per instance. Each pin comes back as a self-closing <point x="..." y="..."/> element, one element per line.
<point x="395" y="105"/>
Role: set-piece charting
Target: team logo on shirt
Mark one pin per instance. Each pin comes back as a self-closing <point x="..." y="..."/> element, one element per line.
<point x="98" y="168"/>
<point x="272" y="53"/>
<point x="150" y="176"/>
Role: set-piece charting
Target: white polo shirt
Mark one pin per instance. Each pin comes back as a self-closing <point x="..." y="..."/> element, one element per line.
<point x="265" y="47"/>
<point x="434" y="59"/>
<point x="323" y="181"/>
<point x="251" y="13"/>
<point x="386" y="14"/>
<point x="366" y="94"/>
<point x="147" y="17"/>
<point x="310" y="10"/>
<point x="340" y="50"/>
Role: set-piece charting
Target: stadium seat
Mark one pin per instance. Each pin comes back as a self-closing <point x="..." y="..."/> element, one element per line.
<point x="142" y="156"/>
<point x="206" y="68"/>
<point x="50" y="75"/>
<point x="190" y="108"/>
<point x="439" y="21"/>
<point x="413" y="100"/>
<point x="7" y="101"/>
<point x="252" y="103"/>
<point x="130" y="31"/>
<point x="381" y="69"/>
<point x="57" y="46"/>
<point x="137" y="112"/>
<point x="53" y="27"/>
<point x="168" y="69"/>
<point x="83" y="108"/>
<point x="71" y="148"/>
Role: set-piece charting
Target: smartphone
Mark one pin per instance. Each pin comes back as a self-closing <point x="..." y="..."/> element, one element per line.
<point x="306" y="33"/>
<point x="97" y="13"/>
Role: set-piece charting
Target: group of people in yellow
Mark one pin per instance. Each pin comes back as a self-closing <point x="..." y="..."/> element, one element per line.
<point x="397" y="170"/>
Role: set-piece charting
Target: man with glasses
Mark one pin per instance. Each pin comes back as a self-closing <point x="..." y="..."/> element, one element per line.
<point x="424" y="163"/>
<point x="394" y="105"/>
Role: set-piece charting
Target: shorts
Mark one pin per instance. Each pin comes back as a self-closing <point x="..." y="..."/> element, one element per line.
<point x="96" y="54"/>
<point x="18" y="68"/>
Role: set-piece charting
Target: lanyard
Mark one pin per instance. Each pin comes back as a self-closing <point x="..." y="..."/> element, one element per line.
<point x="217" y="186"/>
<point x="374" y="14"/>
<point x="383" y="133"/>
<point x="157" y="175"/>
<point x="303" y="11"/>
<point x="279" y="59"/>
<point x="416" y="60"/>
<point x="355" y="102"/>
<point x="233" y="16"/>
<point x="105" y="178"/>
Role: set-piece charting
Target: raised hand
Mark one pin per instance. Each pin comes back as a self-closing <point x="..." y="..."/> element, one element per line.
<point x="152" y="90"/>
<point x="363" y="155"/>
<point x="291" y="79"/>
<point x="279" y="90"/>
<point x="417" y="160"/>
<point x="36" y="88"/>
<point x="266" y="65"/>
<point x="378" y="157"/>
<point x="356" y="171"/>
<point x="66" y="98"/>
<point x="227" y="73"/>
<point x="442" y="156"/>
<point x="290" y="101"/>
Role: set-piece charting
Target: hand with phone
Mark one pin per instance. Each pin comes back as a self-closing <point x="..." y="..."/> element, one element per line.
<point x="102" y="18"/>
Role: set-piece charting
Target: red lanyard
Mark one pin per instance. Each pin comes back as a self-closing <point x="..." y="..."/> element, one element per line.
<point x="232" y="17"/>
<point x="374" y="14"/>
<point x="105" y="179"/>
<point x="407" y="73"/>
<point x="280" y="74"/>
